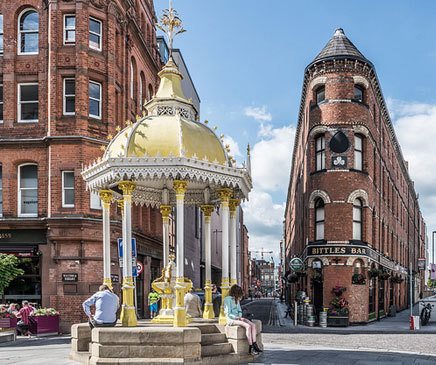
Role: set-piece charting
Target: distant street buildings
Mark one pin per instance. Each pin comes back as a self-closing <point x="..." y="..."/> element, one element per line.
<point x="352" y="214"/>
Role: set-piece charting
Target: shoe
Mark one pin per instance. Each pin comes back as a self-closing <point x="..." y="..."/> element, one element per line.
<point x="252" y="351"/>
<point x="256" y="347"/>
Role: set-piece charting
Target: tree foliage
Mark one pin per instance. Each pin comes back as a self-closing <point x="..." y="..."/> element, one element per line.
<point x="9" y="270"/>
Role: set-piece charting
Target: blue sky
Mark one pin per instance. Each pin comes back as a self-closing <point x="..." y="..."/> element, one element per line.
<point x="247" y="60"/>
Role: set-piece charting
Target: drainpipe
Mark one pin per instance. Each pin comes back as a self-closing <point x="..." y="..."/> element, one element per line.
<point x="49" y="110"/>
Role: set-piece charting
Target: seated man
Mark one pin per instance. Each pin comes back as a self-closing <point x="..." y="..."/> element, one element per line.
<point x="23" y="316"/>
<point x="106" y="305"/>
<point x="193" y="304"/>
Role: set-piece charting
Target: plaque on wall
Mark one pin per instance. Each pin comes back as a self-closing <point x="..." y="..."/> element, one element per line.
<point x="339" y="162"/>
<point x="115" y="278"/>
<point x="70" y="277"/>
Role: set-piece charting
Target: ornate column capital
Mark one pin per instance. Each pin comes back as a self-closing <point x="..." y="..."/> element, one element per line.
<point x="127" y="187"/>
<point x="106" y="197"/>
<point x="225" y="195"/>
<point x="233" y="205"/>
<point x="180" y="187"/>
<point x="207" y="211"/>
<point x="120" y="204"/>
<point x="165" y="210"/>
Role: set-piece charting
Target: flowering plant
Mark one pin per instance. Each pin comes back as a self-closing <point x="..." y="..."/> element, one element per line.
<point x="339" y="290"/>
<point x="5" y="314"/>
<point x="45" y="312"/>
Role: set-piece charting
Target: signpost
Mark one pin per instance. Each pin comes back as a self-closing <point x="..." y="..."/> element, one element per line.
<point x="134" y="255"/>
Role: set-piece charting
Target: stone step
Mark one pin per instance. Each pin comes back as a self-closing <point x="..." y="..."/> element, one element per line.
<point x="80" y="357"/>
<point x="7" y="336"/>
<point x="228" y="359"/>
<point x="212" y="338"/>
<point x="207" y="328"/>
<point x="216" y="349"/>
<point x="142" y="361"/>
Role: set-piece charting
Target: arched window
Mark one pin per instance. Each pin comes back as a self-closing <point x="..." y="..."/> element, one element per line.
<point x="358" y="266"/>
<point x="358" y="152"/>
<point x="28" y="26"/>
<point x="357" y="219"/>
<point x="319" y="219"/>
<point x="320" y="94"/>
<point x="133" y="79"/>
<point x="320" y="153"/>
<point x="28" y="190"/>
<point x="150" y="92"/>
<point x="358" y="93"/>
<point x="141" y="90"/>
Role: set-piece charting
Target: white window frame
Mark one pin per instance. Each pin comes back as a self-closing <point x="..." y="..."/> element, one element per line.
<point x="97" y="199"/>
<point x="358" y="153"/>
<point x="2" y="35"/>
<point x="2" y="103"/>
<point x="64" y="96"/>
<point x="99" y="100"/>
<point x="19" y="191"/>
<point x="99" y="48"/>
<point x="358" y="208"/>
<point x="320" y="153"/>
<point x="319" y="223"/>
<point x="26" y="102"/>
<point x="19" y="33"/>
<point x="140" y="92"/>
<point x="132" y="78"/>
<point x="64" y="205"/>
<point x="66" y="43"/>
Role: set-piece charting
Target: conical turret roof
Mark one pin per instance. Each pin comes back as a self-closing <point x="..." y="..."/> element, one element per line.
<point x="339" y="46"/>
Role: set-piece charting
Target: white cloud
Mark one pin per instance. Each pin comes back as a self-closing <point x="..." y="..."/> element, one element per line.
<point x="270" y="166"/>
<point x="234" y="147"/>
<point x="258" y="113"/>
<point x="415" y="126"/>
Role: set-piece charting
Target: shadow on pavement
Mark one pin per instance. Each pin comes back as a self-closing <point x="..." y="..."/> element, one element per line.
<point x="335" y="357"/>
<point x="36" y="341"/>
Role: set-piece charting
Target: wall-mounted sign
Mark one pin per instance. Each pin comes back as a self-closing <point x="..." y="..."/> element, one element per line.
<point x="70" y="277"/>
<point x="421" y="263"/>
<point x="339" y="162"/>
<point x="296" y="264"/>
<point x="23" y="236"/>
<point x="115" y="278"/>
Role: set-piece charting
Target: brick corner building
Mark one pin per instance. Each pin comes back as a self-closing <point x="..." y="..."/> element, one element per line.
<point x="352" y="213"/>
<point x="72" y="71"/>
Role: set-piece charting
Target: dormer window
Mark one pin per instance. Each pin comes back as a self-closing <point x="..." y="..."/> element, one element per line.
<point x="358" y="93"/>
<point x="320" y="94"/>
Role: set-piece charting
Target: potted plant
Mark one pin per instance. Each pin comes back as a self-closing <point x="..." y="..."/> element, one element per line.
<point x="338" y="313"/>
<point x="358" y="279"/>
<point x="7" y="320"/>
<point x="44" y="321"/>
<point x="384" y="275"/>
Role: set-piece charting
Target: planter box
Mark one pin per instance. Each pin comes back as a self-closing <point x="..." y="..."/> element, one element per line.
<point x="336" y="321"/>
<point x="8" y="322"/>
<point x="44" y="325"/>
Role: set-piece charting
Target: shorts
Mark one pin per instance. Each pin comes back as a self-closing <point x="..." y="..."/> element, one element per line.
<point x="153" y="307"/>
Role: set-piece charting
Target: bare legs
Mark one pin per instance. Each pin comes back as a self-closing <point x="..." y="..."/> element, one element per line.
<point x="250" y="329"/>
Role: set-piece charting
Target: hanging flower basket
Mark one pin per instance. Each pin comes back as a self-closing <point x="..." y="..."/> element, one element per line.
<point x="384" y="275"/>
<point x="396" y="279"/>
<point x="338" y="290"/>
<point x="358" y="279"/>
<point x="374" y="273"/>
<point x="292" y="278"/>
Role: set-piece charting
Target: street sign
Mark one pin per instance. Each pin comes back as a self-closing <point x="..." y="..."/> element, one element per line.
<point x="134" y="268"/>
<point x="296" y="264"/>
<point x="139" y="267"/>
<point x="120" y="247"/>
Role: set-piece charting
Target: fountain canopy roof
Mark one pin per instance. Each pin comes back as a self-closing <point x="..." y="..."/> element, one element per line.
<point x="168" y="143"/>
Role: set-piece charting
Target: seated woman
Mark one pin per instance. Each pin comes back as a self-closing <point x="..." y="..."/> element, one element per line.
<point x="233" y="312"/>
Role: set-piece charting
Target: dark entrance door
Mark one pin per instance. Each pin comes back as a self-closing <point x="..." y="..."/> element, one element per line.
<point x="381" y="298"/>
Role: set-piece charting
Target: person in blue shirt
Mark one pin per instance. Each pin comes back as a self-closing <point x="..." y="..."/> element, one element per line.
<point x="233" y="312"/>
<point x="106" y="305"/>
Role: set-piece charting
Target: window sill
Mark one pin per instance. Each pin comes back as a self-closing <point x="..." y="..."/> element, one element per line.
<point x="27" y="121"/>
<point x="318" y="171"/>
<point x="28" y="54"/>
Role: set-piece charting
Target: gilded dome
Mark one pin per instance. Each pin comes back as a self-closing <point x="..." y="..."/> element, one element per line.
<point x="170" y="129"/>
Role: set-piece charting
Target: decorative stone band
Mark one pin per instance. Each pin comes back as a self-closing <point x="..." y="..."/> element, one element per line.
<point x="347" y="250"/>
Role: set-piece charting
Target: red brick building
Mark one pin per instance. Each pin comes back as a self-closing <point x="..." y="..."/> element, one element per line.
<point x="352" y="212"/>
<point x="72" y="71"/>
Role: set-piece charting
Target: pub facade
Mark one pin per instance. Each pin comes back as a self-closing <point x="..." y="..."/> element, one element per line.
<point x="352" y="214"/>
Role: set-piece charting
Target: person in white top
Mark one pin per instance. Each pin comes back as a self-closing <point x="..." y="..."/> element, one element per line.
<point x="193" y="304"/>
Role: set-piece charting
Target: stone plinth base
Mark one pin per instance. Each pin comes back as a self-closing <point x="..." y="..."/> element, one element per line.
<point x="137" y="345"/>
<point x="238" y="339"/>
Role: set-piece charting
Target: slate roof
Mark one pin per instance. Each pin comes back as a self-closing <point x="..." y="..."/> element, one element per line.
<point x="339" y="46"/>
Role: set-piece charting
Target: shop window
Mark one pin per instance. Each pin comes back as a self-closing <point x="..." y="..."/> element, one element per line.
<point x="28" y="24"/>
<point x="320" y="153"/>
<point x="1" y="33"/>
<point x="95" y="202"/>
<point x="28" y="190"/>
<point x="358" y="152"/>
<point x="69" y="29"/>
<point x="95" y="28"/>
<point x="320" y="94"/>
<point x="319" y="219"/>
<point x="1" y="191"/>
<point x="358" y="93"/>
<point x="28" y="103"/>
<point x="94" y="99"/>
<point x="357" y="219"/>
<point x="69" y="96"/>
<point x="68" y="189"/>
